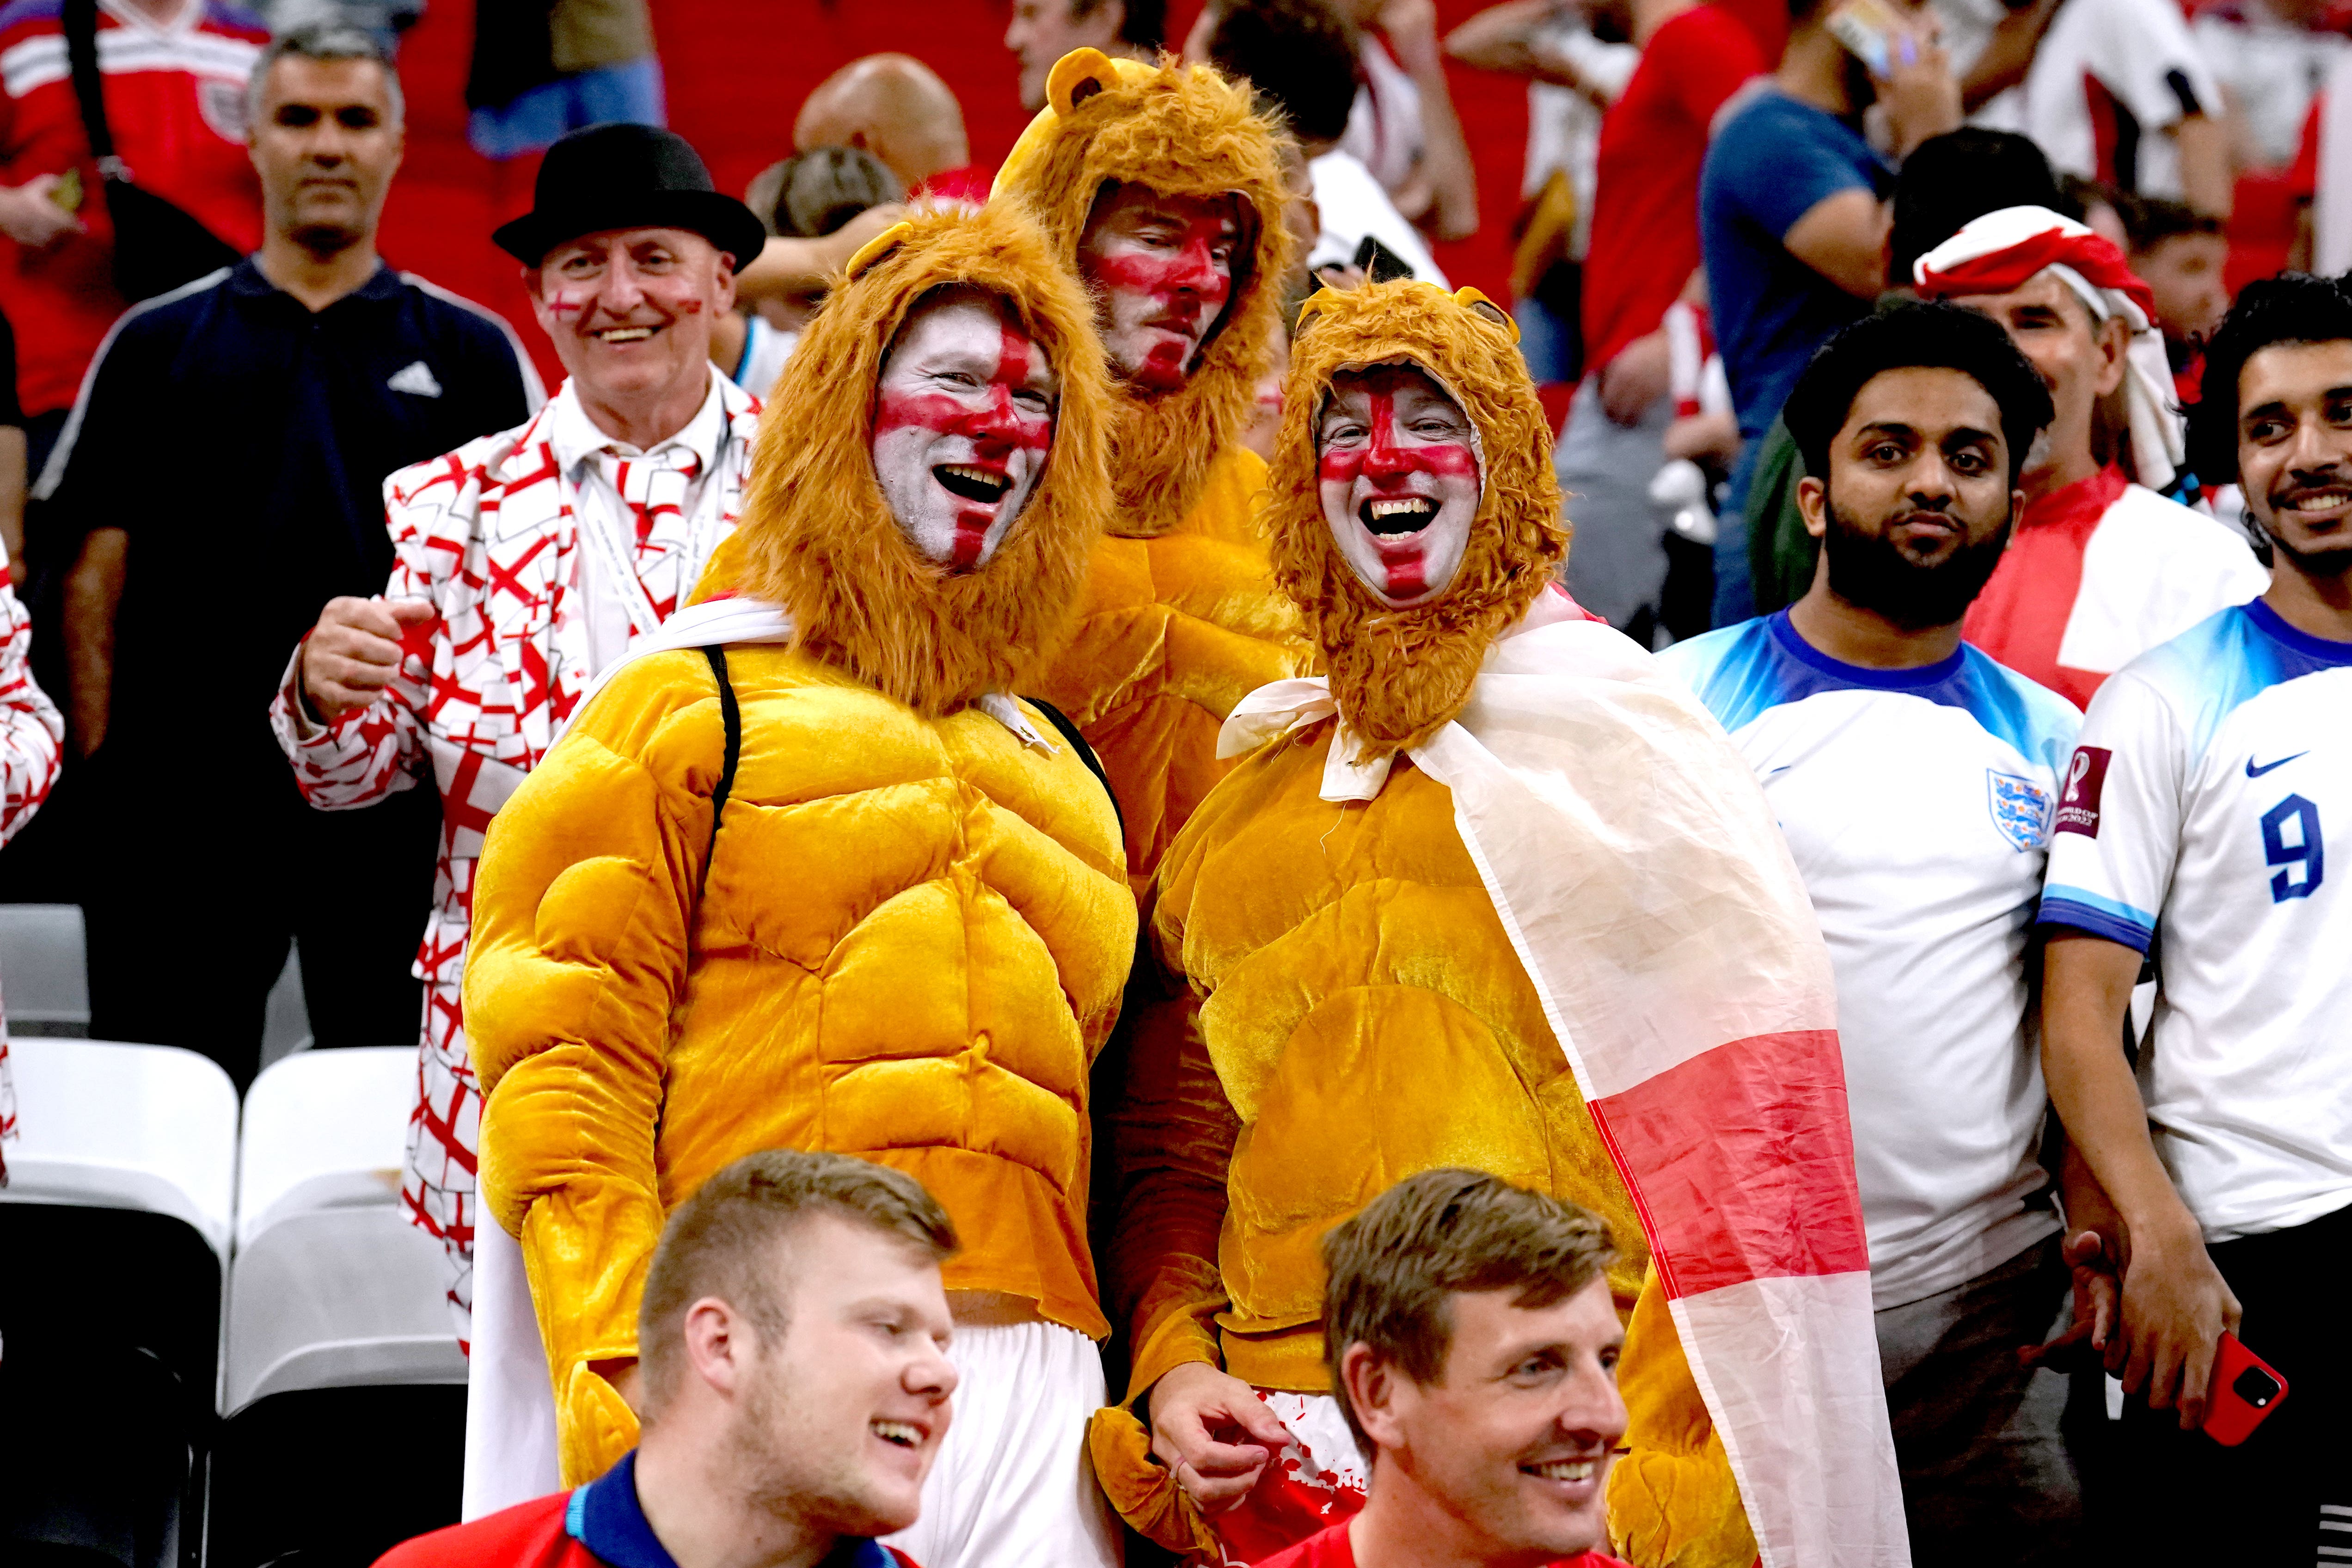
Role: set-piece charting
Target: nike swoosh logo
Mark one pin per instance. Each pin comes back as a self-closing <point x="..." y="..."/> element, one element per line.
<point x="2254" y="772"/>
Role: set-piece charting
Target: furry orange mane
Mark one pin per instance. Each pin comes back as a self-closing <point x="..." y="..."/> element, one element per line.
<point x="1400" y="675"/>
<point x="817" y="535"/>
<point x="1184" y="131"/>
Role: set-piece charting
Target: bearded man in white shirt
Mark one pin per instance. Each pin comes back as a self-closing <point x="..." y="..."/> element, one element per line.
<point x="528" y="560"/>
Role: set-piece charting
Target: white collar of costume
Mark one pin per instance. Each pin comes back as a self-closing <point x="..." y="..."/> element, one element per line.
<point x="730" y="619"/>
<point x="1652" y="902"/>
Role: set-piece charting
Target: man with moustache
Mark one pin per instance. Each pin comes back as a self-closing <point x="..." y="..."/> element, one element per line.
<point x="523" y="563"/>
<point x="1914" y="779"/>
<point x="209" y="539"/>
<point x="2192" y="832"/>
<point x="796" y="1386"/>
<point x="806" y="873"/>
<point x="1474" y="1352"/>
<point x="2102" y="568"/>
<point x="1497" y="893"/>
<point x="1161" y="186"/>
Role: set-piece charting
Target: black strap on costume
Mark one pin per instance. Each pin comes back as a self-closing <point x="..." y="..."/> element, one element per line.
<point x="731" y="715"/>
<point x="1061" y="720"/>
<point x="79" y="18"/>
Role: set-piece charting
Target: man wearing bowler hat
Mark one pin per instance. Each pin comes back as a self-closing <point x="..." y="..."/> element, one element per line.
<point x="525" y="563"/>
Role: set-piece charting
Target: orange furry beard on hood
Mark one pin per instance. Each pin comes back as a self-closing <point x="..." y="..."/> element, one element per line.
<point x="816" y="534"/>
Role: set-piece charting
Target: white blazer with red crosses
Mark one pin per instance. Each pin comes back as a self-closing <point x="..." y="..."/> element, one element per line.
<point x="487" y="533"/>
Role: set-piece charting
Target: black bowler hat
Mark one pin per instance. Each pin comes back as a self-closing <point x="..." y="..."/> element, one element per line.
<point x="627" y="176"/>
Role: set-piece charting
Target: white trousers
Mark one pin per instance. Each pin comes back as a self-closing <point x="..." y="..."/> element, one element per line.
<point x="509" y="1399"/>
<point x="1011" y="1487"/>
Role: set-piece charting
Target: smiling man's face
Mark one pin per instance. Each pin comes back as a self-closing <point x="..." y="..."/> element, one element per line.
<point x="326" y="144"/>
<point x="629" y="310"/>
<point x="1515" y="1439"/>
<point x="847" y="1410"/>
<point x="2295" y="450"/>
<point x="1398" y="475"/>
<point x="963" y="418"/>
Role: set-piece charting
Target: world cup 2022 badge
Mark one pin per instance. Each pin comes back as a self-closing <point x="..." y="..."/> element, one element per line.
<point x="2021" y="808"/>
<point x="2078" y="799"/>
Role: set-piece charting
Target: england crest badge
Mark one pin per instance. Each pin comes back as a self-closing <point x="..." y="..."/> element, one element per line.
<point x="2021" y="808"/>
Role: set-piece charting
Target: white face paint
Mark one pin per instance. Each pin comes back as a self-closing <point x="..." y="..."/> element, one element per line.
<point x="1162" y="272"/>
<point x="1399" y="479"/>
<point x="964" y="415"/>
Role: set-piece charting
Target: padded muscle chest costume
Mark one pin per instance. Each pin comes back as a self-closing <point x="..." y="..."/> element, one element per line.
<point x="1348" y="1007"/>
<point x="1180" y="618"/>
<point x="906" y="939"/>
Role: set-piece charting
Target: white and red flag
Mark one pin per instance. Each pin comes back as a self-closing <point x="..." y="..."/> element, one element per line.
<point x="1650" y="897"/>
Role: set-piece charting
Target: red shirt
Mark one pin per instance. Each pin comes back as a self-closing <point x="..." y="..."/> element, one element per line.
<point x="175" y="103"/>
<point x="1332" y="1549"/>
<point x="2019" y="619"/>
<point x="599" y="1525"/>
<point x="1644" y="244"/>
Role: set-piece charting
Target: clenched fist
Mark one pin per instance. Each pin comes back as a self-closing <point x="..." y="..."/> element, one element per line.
<point x="355" y="650"/>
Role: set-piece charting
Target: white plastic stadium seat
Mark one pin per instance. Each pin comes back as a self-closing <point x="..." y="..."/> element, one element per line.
<point x="338" y="1299"/>
<point x="123" y="1126"/>
<point x="323" y="1130"/>
<point x="43" y="981"/>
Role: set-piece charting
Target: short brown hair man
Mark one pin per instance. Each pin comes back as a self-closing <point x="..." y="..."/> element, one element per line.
<point x="1473" y="1347"/>
<point x="794" y="1384"/>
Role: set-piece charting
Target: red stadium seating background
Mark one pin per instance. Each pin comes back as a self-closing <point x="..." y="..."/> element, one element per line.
<point x="737" y="72"/>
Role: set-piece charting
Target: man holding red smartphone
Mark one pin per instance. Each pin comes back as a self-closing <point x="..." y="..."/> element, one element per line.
<point x="2191" y="829"/>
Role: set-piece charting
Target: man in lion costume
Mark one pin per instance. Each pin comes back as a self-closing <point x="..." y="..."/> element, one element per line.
<point x="1497" y="893"/>
<point x="806" y="873"/>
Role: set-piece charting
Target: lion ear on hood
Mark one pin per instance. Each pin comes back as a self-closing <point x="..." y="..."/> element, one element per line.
<point x="1077" y="76"/>
<point x="1485" y="309"/>
<point x="874" y="249"/>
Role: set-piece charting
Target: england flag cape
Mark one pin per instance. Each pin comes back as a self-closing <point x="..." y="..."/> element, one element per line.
<point x="1649" y="895"/>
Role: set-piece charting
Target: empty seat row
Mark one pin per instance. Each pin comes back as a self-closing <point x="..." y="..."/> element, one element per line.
<point x="275" y="1346"/>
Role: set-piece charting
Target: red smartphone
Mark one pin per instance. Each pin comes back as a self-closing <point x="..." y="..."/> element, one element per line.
<point x="2244" y="1390"/>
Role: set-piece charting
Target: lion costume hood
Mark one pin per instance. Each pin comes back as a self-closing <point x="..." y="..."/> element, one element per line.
<point x="816" y="536"/>
<point x="1184" y="131"/>
<point x="1400" y="675"/>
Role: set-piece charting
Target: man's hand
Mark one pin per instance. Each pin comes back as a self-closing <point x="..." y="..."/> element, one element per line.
<point x="1193" y="1409"/>
<point x="31" y="218"/>
<point x="354" y="651"/>
<point x="2176" y="1306"/>
<point x="1921" y="96"/>
<point x="1636" y="377"/>
<point x="2096" y="1288"/>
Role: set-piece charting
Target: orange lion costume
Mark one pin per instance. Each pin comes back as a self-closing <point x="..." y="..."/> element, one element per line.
<point x="1180" y="618"/>
<point x="904" y="937"/>
<point x="1451" y="900"/>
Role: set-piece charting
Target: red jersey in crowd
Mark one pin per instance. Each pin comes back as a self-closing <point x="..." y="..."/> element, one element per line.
<point x="1333" y="1550"/>
<point x="2100" y="571"/>
<point x="176" y="104"/>
<point x="1644" y="244"/>
<point x="599" y="1525"/>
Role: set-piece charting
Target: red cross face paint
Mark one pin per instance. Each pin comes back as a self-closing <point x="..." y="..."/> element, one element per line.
<point x="629" y="310"/>
<point x="963" y="416"/>
<point x="1162" y="271"/>
<point x="1398" y="468"/>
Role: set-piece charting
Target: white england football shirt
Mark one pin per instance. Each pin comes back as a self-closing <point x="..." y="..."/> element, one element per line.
<point x="2194" y="823"/>
<point x="1917" y="804"/>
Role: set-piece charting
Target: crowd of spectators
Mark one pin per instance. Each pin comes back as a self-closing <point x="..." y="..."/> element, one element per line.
<point x="1951" y="393"/>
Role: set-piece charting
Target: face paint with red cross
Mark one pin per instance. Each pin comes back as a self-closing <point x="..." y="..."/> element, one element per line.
<point x="1162" y="271"/>
<point x="1398" y="471"/>
<point x="963" y="416"/>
